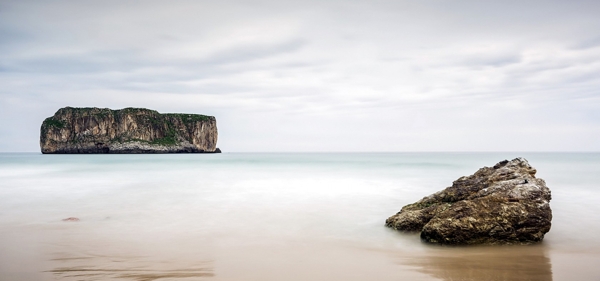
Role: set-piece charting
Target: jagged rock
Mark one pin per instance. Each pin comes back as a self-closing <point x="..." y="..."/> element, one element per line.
<point x="504" y="204"/>
<point x="129" y="130"/>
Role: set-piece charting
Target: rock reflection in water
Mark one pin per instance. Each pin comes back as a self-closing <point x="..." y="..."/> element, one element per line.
<point x="485" y="263"/>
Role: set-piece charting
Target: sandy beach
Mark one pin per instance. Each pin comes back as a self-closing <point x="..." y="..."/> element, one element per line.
<point x="269" y="217"/>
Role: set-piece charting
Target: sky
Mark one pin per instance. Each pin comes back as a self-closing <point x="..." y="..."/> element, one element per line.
<point x="314" y="76"/>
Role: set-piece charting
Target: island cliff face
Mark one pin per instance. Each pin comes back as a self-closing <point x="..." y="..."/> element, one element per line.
<point x="129" y="130"/>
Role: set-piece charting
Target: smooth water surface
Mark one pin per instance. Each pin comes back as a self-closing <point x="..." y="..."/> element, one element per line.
<point x="261" y="216"/>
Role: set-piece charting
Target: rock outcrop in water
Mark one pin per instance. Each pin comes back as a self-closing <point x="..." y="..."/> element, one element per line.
<point x="129" y="130"/>
<point x="504" y="204"/>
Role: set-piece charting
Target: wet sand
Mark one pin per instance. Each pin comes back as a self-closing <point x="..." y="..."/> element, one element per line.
<point x="68" y="251"/>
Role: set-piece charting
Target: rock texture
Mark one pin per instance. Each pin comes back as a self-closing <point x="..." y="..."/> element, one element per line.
<point x="129" y="130"/>
<point x="503" y="204"/>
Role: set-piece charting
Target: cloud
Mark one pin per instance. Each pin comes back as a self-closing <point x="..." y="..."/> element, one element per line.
<point x="314" y="75"/>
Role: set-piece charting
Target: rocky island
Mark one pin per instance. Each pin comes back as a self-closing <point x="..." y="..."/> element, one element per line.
<point x="128" y="130"/>
<point x="503" y="204"/>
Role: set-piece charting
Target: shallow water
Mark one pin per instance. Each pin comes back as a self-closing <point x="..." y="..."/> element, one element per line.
<point x="260" y="216"/>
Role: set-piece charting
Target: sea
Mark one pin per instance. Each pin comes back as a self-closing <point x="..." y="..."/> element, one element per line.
<point x="272" y="216"/>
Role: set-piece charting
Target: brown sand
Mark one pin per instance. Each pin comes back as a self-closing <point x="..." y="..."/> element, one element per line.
<point x="83" y="252"/>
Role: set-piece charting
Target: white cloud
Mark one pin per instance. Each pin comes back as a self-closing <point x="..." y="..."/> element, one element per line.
<point x="306" y="76"/>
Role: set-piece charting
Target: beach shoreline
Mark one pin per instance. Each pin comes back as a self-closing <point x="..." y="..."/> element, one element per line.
<point x="268" y="217"/>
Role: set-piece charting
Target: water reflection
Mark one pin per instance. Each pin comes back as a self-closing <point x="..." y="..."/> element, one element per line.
<point x="485" y="263"/>
<point x="136" y="268"/>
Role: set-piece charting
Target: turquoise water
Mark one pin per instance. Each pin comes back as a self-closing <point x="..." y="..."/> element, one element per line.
<point x="263" y="216"/>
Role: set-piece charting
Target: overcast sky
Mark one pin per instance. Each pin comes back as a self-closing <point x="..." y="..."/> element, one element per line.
<point x="307" y="75"/>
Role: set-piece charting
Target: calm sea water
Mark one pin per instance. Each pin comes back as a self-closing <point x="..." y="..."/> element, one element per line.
<point x="263" y="216"/>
